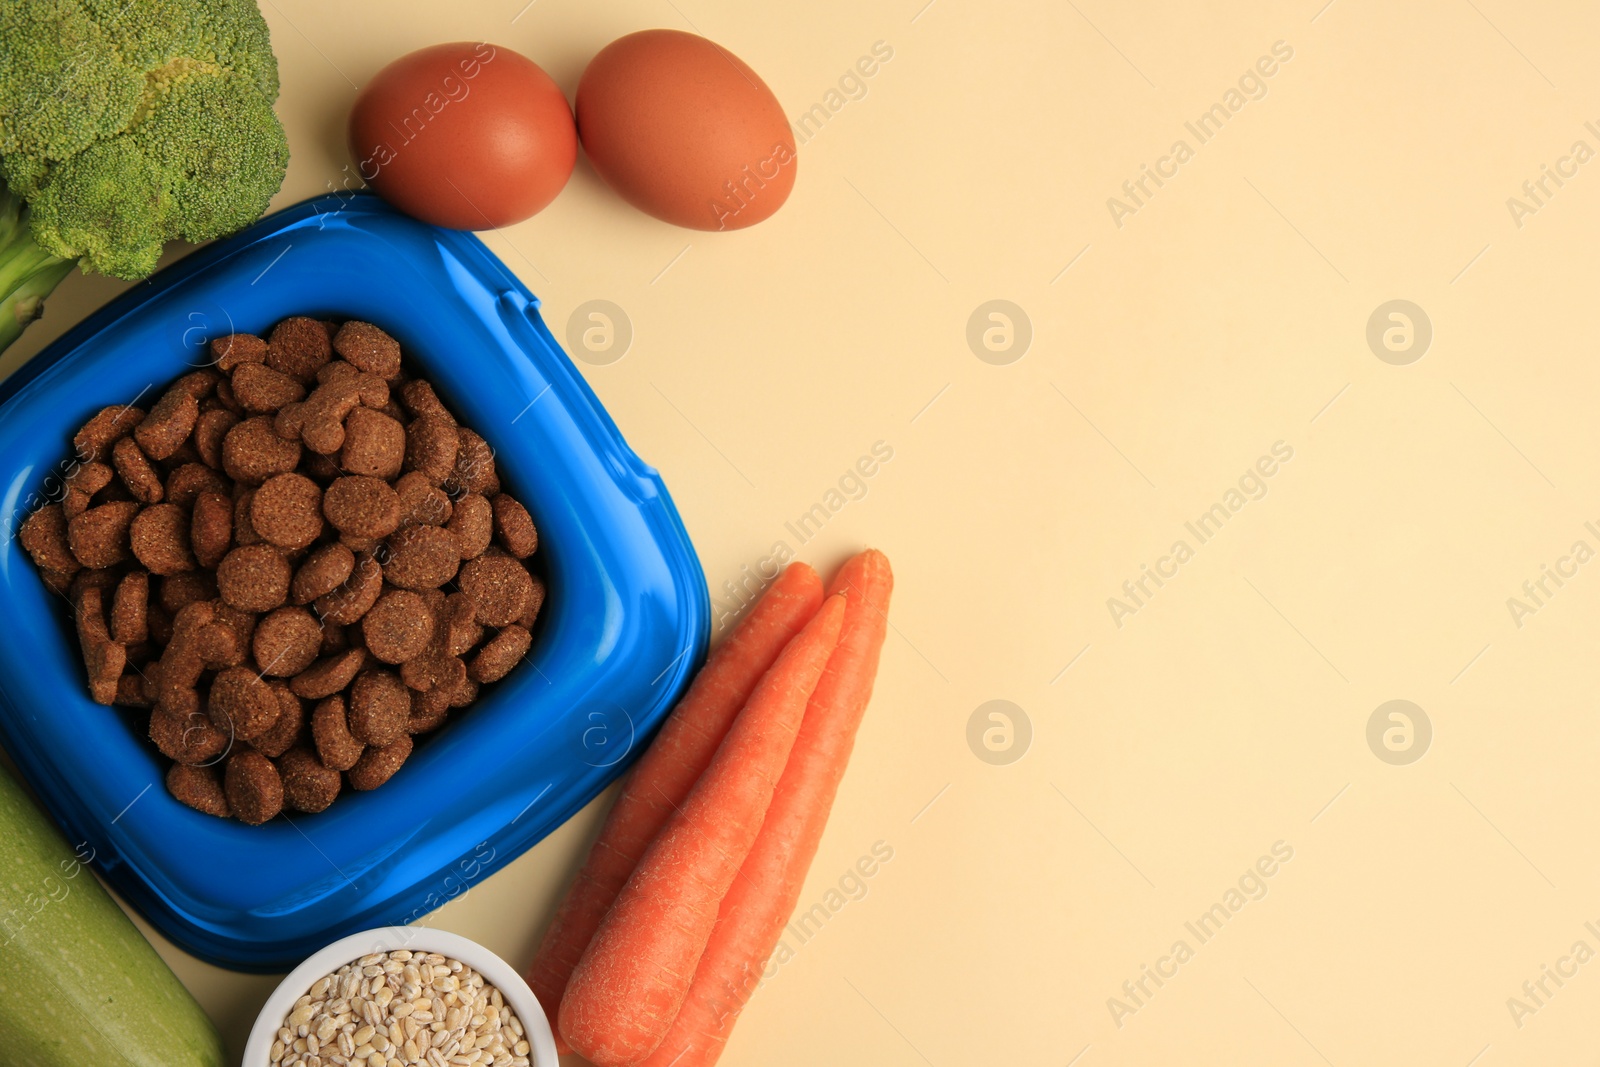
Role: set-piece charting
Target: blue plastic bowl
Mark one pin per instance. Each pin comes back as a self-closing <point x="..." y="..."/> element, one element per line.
<point x="624" y="627"/>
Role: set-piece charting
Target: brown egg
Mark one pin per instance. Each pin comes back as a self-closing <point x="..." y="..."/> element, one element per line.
<point x="682" y="129"/>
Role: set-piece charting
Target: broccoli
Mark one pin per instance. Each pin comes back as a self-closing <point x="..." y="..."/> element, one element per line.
<point x="125" y="124"/>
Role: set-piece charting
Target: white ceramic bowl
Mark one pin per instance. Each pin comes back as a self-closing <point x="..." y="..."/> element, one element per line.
<point x="496" y="972"/>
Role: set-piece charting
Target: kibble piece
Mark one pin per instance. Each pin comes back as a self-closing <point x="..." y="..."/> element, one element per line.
<point x="328" y="675"/>
<point x="356" y="596"/>
<point x="198" y="787"/>
<point x="188" y="737"/>
<point x="234" y="349"/>
<point x="285" y="733"/>
<point x="374" y="444"/>
<point x="189" y="480"/>
<point x="530" y="611"/>
<point x="398" y="627"/>
<point x="428" y="710"/>
<point x="44" y="537"/>
<point x="499" y="587"/>
<point x="255" y="792"/>
<point x="298" y="346"/>
<point x="171" y="421"/>
<point x="472" y="525"/>
<point x="495" y="660"/>
<point x="287" y="511"/>
<point x="132" y="689"/>
<point x="330" y="729"/>
<point x="109" y="425"/>
<point x="241" y="702"/>
<point x="369" y="348"/>
<point x="308" y="785"/>
<point x="327" y="568"/>
<point x="91" y="477"/>
<point x="103" y="658"/>
<point x="99" y="537"/>
<point x="224" y="397"/>
<point x="461" y="627"/>
<point x="379" y="707"/>
<point x="421" y="502"/>
<point x="417" y="396"/>
<point x="252" y="451"/>
<point x="432" y="444"/>
<point x="362" y="506"/>
<point x="244" y="531"/>
<point x="130" y="609"/>
<point x="260" y="390"/>
<point x="254" y="578"/>
<point x="465" y="693"/>
<point x="513" y="526"/>
<point x="475" y="470"/>
<point x="159" y="536"/>
<point x="378" y="765"/>
<point x="211" y="528"/>
<point x="286" y="642"/>
<point x="210" y="428"/>
<point x="137" y="473"/>
<point x="423" y="557"/>
<point x="177" y="591"/>
<point x="199" y="383"/>
<point x="433" y="670"/>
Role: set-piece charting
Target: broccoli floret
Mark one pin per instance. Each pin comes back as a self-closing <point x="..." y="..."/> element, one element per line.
<point x="125" y="124"/>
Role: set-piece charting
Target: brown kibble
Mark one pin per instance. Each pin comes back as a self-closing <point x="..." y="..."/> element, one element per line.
<point x="244" y="531"/>
<point x="369" y="348"/>
<point x="252" y="451"/>
<point x="433" y="670"/>
<point x="356" y="596"/>
<point x="324" y="570"/>
<point x="177" y="591"/>
<point x="417" y="396"/>
<point x="431" y="447"/>
<point x="241" y="702"/>
<point x="464" y="694"/>
<point x="422" y="557"/>
<point x="285" y="733"/>
<point x="137" y="473"/>
<point x="472" y="525"/>
<point x="335" y="638"/>
<point x="499" y="587"/>
<point x="398" y="627"/>
<point x="287" y="511"/>
<point x="99" y="537"/>
<point x="237" y="348"/>
<point x="421" y="502"/>
<point x="331" y="731"/>
<point x="188" y="481"/>
<point x="90" y="477"/>
<point x="378" y="765"/>
<point x="171" y="421"/>
<point x="362" y="506"/>
<point x="130" y="609"/>
<point x="475" y="470"/>
<point x="308" y="785"/>
<point x="186" y="736"/>
<point x="462" y="629"/>
<point x="199" y="383"/>
<point x="103" y="658"/>
<point x="198" y="787"/>
<point x="109" y="425"/>
<point x="328" y="675"/>
<point x="44" y="538"/>
<point x="530" y="611"/>
<point x="428" y="711"/>
<point x="379" y="707"/>
<point x="160" y="538"/>
<point x="74" y="502"/>
<point x="254" y="578"/>
<point x="133" y="691"/>
<point x="255" y="792"/>
<point x="495" y="660"/>
<point x="374" y="444"/>
<point x="211" y="528"/>
<point x="514" y="526"/>
<point x="261" y="390"/>
<point x="298" y="346"/>
<point x="210" y="428"/>
<point x="286" y="642"/>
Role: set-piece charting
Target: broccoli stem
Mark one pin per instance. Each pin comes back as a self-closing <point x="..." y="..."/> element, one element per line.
<point x="28" y="273"/>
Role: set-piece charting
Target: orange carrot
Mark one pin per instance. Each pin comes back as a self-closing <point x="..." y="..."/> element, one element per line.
<point x="631" y="981"/>
<point x="667" y="771"/>
<point x="763" y="897"/>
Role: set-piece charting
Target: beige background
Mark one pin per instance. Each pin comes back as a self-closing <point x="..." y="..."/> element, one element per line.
<point x="1227" y="314"/>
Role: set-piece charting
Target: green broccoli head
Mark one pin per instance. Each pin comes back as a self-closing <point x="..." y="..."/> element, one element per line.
<point x="125" y="124"/>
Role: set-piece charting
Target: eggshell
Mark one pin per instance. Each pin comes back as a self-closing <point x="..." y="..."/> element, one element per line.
<point x="682" y="129"/>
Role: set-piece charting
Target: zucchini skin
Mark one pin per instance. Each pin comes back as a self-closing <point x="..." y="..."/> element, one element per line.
<point x="79" y="984"/>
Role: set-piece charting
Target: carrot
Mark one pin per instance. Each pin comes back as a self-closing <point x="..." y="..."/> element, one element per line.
<point x="631" y="981"/>
<point x="764" y="895"/>
<point x="668" y="770"/>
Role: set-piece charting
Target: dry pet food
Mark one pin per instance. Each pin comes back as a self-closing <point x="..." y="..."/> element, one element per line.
<point x="295" y="561"/>
<point x="418" y="1009"/>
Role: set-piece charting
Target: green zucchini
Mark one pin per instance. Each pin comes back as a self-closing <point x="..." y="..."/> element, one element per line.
<point x="79" y="985"/>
